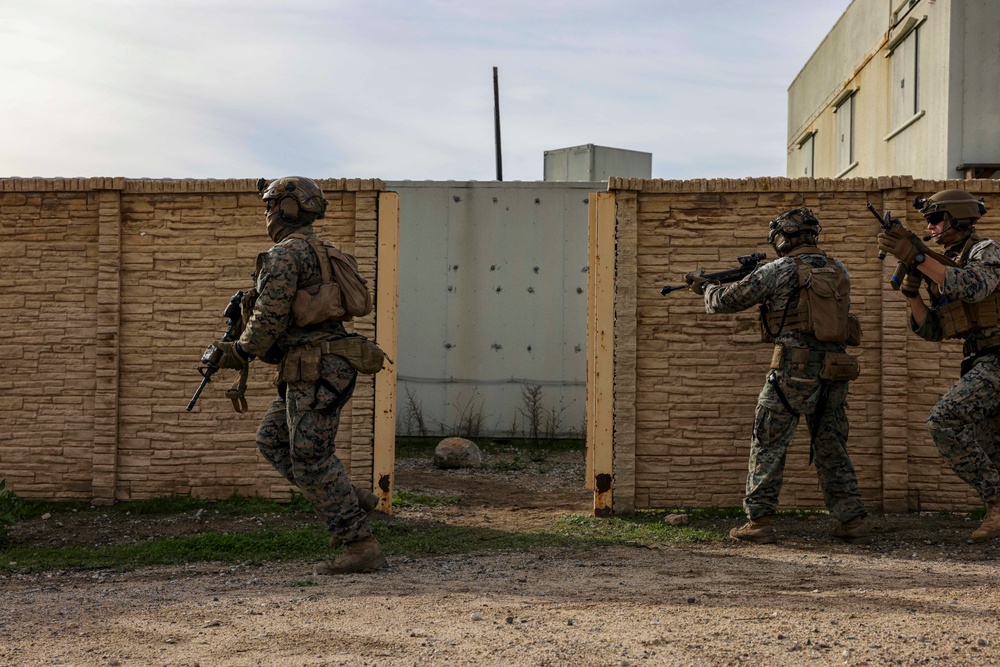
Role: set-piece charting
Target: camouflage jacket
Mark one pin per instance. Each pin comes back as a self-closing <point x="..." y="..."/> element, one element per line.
<point x="279" y="273"/>
<point x="975" y="278"/>
<point x="775" y="285"/>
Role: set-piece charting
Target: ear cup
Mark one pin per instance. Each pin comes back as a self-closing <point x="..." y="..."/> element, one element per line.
<point x="289" y="209"/>
<point x="783" y="243"/>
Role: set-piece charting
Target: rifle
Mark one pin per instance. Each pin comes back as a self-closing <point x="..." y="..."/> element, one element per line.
<point x="891" y="225"/>
<point x="212" y="355"/>
<point x="747" y="263"/>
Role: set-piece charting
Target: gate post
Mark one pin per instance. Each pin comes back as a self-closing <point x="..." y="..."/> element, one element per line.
<point x="600" y="351"/>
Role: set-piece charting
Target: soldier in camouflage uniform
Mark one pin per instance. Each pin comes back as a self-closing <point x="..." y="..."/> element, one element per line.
<point x="794" y="385"/>
<point x="298" y="431"/>
<point x="964" y="303"/>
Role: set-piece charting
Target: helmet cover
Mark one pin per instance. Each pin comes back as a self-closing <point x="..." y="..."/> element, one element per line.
<point x="959" y="204"/>
<point x="792" y="224"/>
<point x="304" y="192"/>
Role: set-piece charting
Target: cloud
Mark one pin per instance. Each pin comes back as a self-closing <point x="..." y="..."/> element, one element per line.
<point x="398" y="89"/>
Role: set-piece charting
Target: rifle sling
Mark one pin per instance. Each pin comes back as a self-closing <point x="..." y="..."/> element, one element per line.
<point x="237" y="393"/>
<point x="817" y="415"/>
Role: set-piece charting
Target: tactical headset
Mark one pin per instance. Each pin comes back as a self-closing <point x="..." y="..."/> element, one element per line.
<point x="791" y="225"/>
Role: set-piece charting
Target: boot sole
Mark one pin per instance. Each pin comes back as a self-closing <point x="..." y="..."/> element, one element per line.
<point x="370" y="565"/>
<point x="767" y="539"/>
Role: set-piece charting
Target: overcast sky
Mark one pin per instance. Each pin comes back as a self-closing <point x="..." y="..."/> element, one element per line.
<point x="398" y="89"/>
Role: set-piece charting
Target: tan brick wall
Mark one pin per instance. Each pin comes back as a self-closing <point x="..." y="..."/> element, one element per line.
<point x="696" y="376"/>
<point x="114" y="287"/>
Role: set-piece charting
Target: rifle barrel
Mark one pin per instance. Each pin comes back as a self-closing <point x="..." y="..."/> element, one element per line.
<point x="194" y="399"/>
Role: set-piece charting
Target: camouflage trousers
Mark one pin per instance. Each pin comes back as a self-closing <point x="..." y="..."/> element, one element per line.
<point x="773" y="427"/>
<point x="297" y="437"/>
<point x="965" y="426"/>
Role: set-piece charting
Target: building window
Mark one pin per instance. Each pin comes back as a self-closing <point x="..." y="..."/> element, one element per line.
<point x="845" y="132"/>
<point x="906" y="78"/>
<point x="806" y="156"/>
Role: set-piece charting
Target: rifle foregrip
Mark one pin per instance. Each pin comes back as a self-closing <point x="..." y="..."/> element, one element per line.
<point x="897" y="278"/>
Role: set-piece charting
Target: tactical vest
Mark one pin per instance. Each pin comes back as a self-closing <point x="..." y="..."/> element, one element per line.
<point x="342" y="292"/>
<point x="960" y="318"/>
<point x="823" y="305"/>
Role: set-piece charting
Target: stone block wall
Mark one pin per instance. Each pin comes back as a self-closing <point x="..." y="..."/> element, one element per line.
<point x="114" y="288"/>
<point x="686" y="382"/>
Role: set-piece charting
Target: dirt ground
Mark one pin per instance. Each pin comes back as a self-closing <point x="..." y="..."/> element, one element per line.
<point x="919" y="595"/>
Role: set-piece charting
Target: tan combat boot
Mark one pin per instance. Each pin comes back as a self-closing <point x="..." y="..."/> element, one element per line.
<point x="758" y="531"/>
<point x="853" y="531"/>
<point x="367" y="500"/>
<point x="360" y="556"/>
<point x="990" y="527"/>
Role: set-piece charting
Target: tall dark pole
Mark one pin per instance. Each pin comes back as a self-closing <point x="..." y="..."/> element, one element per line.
<point x="496" y="121"/>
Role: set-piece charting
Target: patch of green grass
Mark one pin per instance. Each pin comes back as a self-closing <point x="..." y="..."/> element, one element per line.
<point x="508" y="465"/>
<point x="11" y="509"/>
<point x="412" y="539"/>
<point x="399" y="538"/>
<point x="403" y="499"/>
<point x="231" y="506"/>
<point x="253" y="547"/>
<point x="642" y="528"/>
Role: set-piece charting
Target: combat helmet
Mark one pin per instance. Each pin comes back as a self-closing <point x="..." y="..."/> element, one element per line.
<point x="962" y="206"/>
<point x="793" y="228"/>
<point x="299" y="199"/>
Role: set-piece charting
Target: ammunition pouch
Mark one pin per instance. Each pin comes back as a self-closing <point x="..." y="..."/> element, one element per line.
<point x="960" y="318"/>
<point x="976" y="347"/>
<point x="839" y="367"/>
<point x="303" y="364"/>
<point x="364" y="355"/>
<point x="797" y="358"/>
<point x="300" y="364"/>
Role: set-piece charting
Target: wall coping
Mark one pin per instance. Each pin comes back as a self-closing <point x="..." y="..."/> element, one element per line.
<point x="804" y="184"/>
<point x="170" y="185"/>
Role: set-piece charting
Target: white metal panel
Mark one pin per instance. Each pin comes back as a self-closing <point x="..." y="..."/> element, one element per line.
<point x="493" y="290"/>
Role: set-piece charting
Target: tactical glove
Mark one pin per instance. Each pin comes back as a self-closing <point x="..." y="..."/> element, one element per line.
<point x="232" y="355"/>
<point x="902" y="245"/>
<point x="696" y="281"/>
<point x="910" y="286"/>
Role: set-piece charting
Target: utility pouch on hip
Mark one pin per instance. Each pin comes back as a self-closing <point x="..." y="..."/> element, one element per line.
<point x="797" y="358"/>
<point x="853" y="330"/>
<point x="839" y="367"/>
<point x="301" y="364"/>
<point x="364" y="355"/>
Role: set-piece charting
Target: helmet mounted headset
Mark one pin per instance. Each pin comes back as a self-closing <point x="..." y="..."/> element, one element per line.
<point x="793" y="228"/>
<point x="958" y="207"/>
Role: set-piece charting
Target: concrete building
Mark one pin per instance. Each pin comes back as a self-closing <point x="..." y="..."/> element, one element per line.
<point x="596" y="163"/>
<point x="900" y="87"/>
